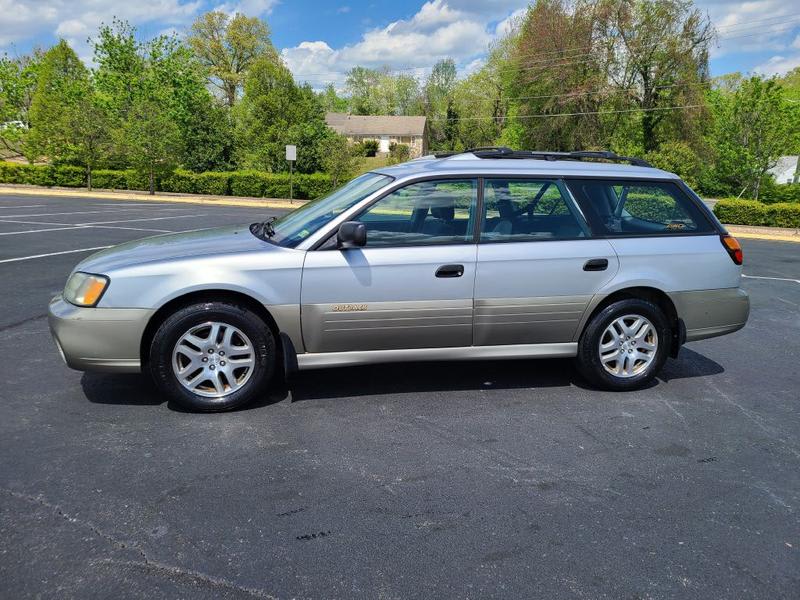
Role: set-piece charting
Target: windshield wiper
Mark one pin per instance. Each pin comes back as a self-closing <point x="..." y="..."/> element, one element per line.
<point x="264" y="229"/>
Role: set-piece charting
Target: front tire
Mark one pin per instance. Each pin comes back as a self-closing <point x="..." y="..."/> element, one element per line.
<point x="625" y="345"/>
<point x="212" y="356"/>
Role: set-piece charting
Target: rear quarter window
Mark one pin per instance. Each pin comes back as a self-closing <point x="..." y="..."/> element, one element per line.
<point x="628" y="207"/>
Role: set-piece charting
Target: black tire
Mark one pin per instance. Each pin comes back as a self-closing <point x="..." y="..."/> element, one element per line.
<point x="589" y="362"/>
<point x="182" y="321"/>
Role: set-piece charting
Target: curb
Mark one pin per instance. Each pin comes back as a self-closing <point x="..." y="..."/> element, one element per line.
<point x="751" y="233"/>
<point x="12" y="190"/>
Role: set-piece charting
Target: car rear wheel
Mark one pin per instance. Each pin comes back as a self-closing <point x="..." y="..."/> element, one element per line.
<point x="212" y="356"/>
<point x="625" y="345"/>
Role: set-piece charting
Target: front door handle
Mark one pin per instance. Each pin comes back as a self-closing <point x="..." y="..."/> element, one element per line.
<point x="450" y="271"/>
<point x="596" y="264"/>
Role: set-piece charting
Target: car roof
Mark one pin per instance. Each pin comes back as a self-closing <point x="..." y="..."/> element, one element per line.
<point x="468" y="164"/>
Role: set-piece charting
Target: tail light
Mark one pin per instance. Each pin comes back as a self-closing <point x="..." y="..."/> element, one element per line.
<point x="733" y="247"/>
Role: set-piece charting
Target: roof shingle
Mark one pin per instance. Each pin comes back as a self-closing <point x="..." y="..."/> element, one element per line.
<point x="375" y="125"/>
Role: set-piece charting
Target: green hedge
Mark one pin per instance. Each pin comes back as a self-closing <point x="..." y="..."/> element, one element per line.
<point x="780" y="193"/>
<point x="750" y="212"/>
<point x="235" y="183"/>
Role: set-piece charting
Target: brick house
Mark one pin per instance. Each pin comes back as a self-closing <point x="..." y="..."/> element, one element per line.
<point x="385" y="129"/>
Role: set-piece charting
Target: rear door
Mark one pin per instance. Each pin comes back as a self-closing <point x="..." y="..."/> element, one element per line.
<point x="410" y="286"/>
<point x="537" y="267"/>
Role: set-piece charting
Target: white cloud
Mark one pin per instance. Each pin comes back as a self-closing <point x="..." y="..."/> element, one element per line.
<point x="505" y="26"/>
<point x="749" y="27"/>
<point x="343" y="10"/>
<point x="457" y="29"/>
<point x="74" y="20"/>
<point x="251" y="8"/>
<point x="778" y="65"/>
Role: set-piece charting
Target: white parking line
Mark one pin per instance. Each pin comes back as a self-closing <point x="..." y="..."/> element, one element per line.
<point x="76" y="212"/>
<point x="10" y="260"/>
<point x="137" y="220"/>
<point x="41" y="230"/>
<point x="128" y="228"/>
<point x="26" y="206"/>
<point x="771" y="278"/>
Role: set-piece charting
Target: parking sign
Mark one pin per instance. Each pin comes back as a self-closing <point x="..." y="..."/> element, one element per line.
<point x="291" y="152"/>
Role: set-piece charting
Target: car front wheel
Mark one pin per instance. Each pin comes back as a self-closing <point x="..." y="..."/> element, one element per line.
<point x="212" y="356"/>
<point x="625" y="345"/>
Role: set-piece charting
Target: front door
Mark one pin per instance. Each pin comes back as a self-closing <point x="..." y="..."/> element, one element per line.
<point x="537" y="270"/>
<point x="409" y="287"/>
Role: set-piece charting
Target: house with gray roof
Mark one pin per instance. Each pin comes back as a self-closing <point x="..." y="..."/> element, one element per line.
<point x="385" y="129"/>
<point x="786" y="170"/>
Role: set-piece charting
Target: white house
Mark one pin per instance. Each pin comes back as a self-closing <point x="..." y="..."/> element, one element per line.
<point x="786" y="171"/>
<point x="386" y="129"/>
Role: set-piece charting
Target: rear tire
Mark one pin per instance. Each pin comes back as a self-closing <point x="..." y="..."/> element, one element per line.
<point x="625" y="345"/>
<point x="212" y="356"/>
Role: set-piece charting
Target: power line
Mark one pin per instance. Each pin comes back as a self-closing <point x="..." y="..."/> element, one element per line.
<point x="563" y="61"/>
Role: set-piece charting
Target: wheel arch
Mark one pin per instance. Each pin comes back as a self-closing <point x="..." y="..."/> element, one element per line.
<point x="205" y="295"/>
<point x="640" y="292"/>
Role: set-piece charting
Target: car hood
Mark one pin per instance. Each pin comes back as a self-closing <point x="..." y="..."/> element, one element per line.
<point x="173" y="246"/>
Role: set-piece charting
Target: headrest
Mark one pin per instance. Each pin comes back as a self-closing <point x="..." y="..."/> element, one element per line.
<point x="446" y="213"/>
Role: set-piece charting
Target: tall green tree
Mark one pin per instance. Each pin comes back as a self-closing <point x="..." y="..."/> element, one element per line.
<point x="227" y="46"/>
<point x="660" y="62"/>
<point x="439" y="100"/>
<point x="274" y="112"/>
<point x="752" y="129"/>
<point x="17" y="85"/>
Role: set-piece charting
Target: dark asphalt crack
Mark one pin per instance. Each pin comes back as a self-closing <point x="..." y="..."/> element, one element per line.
<point x="146" y="562"/>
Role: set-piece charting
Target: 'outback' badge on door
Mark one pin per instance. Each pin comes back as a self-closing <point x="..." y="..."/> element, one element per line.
<point x="348" y="307"/>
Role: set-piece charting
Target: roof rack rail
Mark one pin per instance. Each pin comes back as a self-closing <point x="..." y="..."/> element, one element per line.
<point x="504" y="152"/>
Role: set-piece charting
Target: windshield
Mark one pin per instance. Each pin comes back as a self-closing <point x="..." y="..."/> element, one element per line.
<point x="291" y="229"/>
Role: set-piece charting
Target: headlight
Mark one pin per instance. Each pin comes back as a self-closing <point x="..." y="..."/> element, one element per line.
<point x="85" y="289"/>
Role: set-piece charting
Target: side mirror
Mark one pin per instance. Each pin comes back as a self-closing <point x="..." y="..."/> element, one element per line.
<point x="352" y="234"/>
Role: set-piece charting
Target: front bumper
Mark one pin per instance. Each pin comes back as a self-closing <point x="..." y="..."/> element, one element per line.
<point x="98" y="339"/>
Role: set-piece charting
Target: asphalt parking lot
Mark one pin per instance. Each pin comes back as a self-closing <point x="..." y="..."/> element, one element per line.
<point x="464" y="480"/>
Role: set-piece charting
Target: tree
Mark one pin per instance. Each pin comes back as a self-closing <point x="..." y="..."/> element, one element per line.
<point x="330" y="100"/>
<point x="17" y="85"/>
<point x="439" y="103"/>
<point x="61" y="84"/>
<point x="662" y="62"/>
<point x="150" y="136"/>
<point x="338" y="159"/>
<point x="228" y="46"/>
<point x="752" y="128"/>
<point x="274" y="112"/>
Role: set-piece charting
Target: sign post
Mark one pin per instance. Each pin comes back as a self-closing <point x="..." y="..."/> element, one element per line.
<point x="291" y="156"/>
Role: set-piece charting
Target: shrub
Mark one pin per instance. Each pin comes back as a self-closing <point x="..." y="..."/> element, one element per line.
<point x="750" y="212"/>
<point x="371" y="147"/>
<point x="181" y="182"/>
<point x="775" y="193"/>
<point x="69" y="176"/>
<point x="237" y="183"/>
<point x="398" y="153"/>
<point x="136" y="180"/>
<point x="109" y="180"/>
<point x="678" y="158"/>
<point x="212" y="183"/>
<point x="248" y="183"/>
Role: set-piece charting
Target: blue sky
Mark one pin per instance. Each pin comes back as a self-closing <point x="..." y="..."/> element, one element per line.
<point x="321" y="40"/>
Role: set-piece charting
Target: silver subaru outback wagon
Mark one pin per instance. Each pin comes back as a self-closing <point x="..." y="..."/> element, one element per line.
<point x="486" y="254"/>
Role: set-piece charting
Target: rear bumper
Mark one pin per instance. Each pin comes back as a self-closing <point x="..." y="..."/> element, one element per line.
<point x="711" y="313"/>
<point x="98" y="339"/>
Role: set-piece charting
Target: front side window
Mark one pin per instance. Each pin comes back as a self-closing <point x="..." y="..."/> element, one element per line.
<point x="618" y="207"/>
<point x="423" y="213"/>
<point x="524" y="210"/>
<point x="293" y="228"/>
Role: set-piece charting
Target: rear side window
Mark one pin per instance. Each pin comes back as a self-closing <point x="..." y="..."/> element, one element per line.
<point x="619" y="207"/>
<point x="526" y="210"/>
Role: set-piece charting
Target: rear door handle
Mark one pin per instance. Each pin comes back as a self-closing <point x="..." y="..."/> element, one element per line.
<point x="596" y="264"/>
<point x="450" y="271"/>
